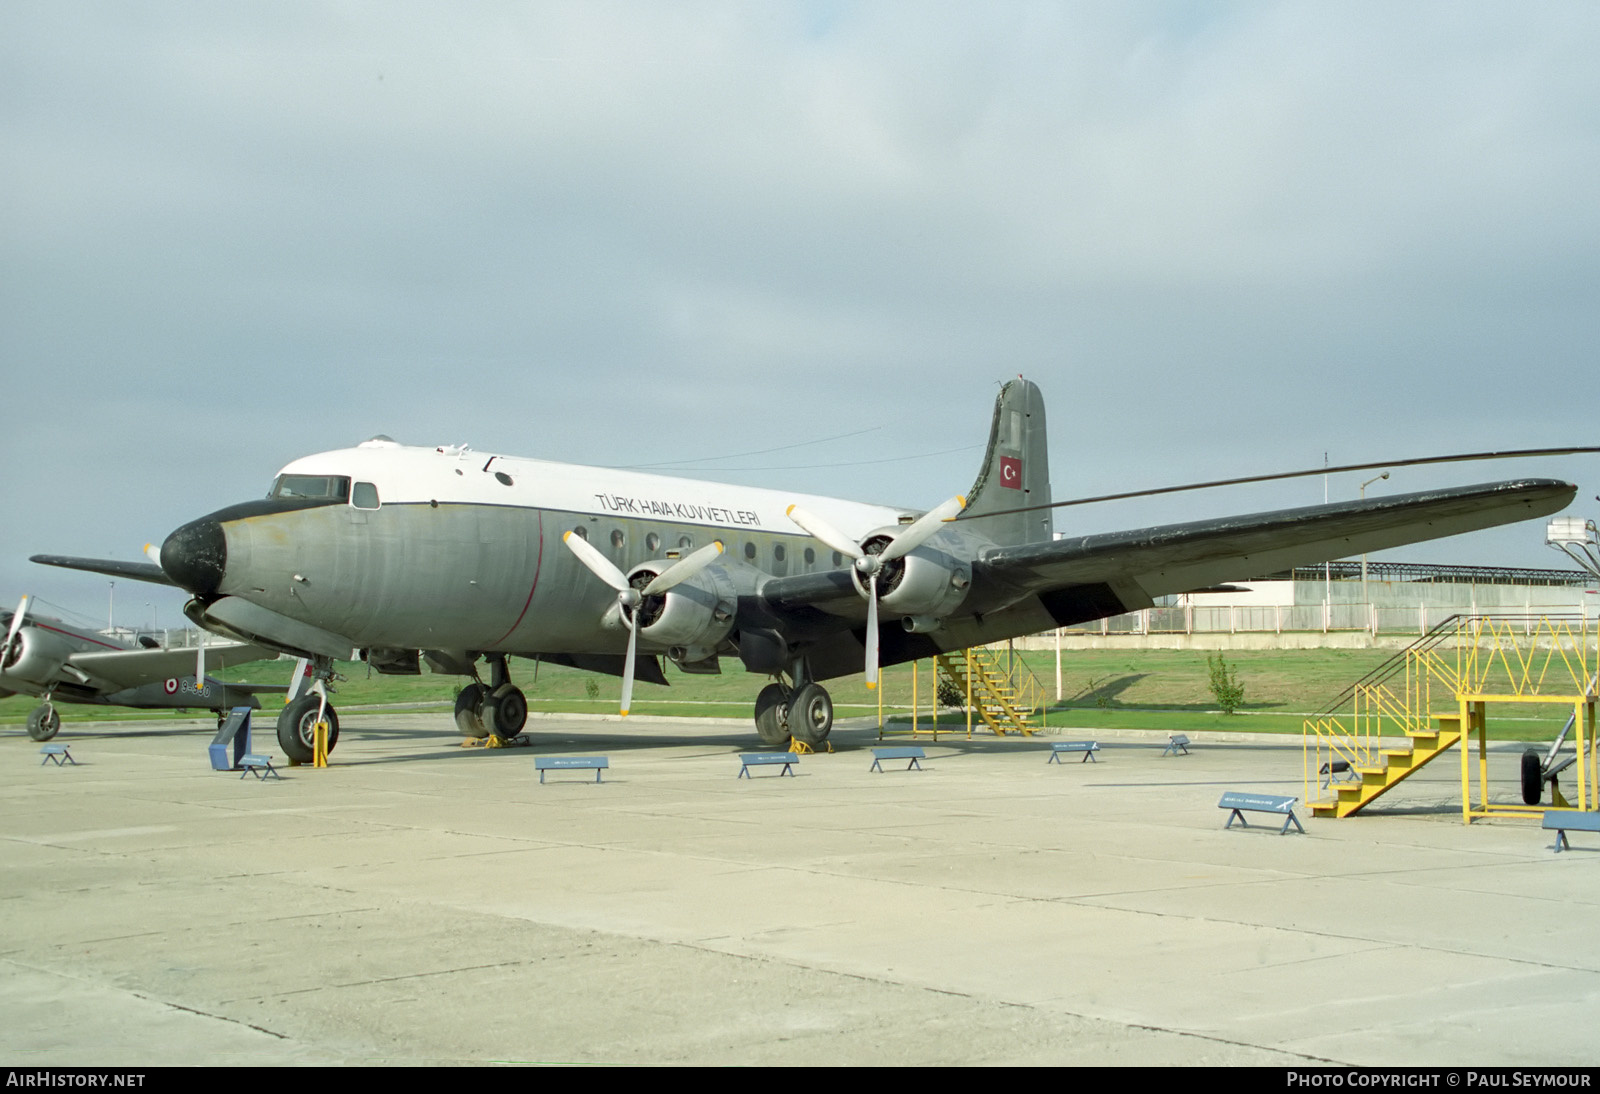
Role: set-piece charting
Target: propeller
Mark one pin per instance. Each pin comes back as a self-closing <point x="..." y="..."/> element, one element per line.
<point x="11" y="635"/>
<point x="868" y="565"/>
<point x="153" y="553"/>
<point x="630" y="599"/>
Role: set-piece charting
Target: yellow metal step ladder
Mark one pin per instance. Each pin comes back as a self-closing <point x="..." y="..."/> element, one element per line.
<point x="1005" y="700"/>
<point x="1436" y="694"/>
<point x="1398" y="765"/>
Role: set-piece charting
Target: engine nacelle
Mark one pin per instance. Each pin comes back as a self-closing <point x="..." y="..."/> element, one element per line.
<point x="38" y="658"/>
<point x="928" y="582"/>
<point x="698" y="612"/>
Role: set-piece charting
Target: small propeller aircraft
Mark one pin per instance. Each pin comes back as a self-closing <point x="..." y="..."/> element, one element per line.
<point x="453" y="557"/>
<point x="61" y="663"/>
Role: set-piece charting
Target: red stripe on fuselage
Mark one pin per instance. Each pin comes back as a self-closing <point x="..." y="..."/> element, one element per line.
<point x="79" y="637"/>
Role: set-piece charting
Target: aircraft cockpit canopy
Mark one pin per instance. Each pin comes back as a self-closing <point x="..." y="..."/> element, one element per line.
<point x="313" y="487"/>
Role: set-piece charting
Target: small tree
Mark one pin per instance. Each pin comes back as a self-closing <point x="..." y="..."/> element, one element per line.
<point x="1225" y="686"/>
<point x="949" y="694"/>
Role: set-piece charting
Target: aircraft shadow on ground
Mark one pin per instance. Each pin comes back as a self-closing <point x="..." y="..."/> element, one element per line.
<point x="87" y="732"/>
<point x="1103" y="693"/>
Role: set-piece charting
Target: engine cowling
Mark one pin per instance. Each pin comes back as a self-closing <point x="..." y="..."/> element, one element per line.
<point x="698" y="612"/>
<point x="927" y="582"/>
<point x="36" y="656"/>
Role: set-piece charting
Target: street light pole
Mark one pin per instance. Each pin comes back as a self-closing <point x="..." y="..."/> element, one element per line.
<point x="1366" y="599"/>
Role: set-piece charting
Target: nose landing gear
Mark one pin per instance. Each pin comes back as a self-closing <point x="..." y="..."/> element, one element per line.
<point x="297" y="724"/>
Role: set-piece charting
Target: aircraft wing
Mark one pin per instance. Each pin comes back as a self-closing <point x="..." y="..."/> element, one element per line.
<point x="114" y="670"/>
<point x="1037" y="586"/>
<point x="138" y="571"/>
<point x="259" y="689"/>
<point x="1135" y="567"/>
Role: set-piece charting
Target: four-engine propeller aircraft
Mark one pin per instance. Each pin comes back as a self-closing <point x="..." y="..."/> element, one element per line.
<point x="61" y="663"/>
<point x="452" y="557"/>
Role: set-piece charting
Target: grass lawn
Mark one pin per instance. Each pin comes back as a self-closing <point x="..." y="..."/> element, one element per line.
<point x="1163" y="690"/>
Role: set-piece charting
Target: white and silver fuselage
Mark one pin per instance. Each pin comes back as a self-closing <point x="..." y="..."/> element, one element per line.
<point x="446" y="548"/>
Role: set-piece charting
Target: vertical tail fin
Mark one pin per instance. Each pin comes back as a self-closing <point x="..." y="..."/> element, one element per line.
<point x="1016" y="470"/>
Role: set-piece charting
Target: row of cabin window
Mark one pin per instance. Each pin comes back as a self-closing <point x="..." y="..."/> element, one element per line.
<point x="364" y="495"/>
<point x="652" y="543"/>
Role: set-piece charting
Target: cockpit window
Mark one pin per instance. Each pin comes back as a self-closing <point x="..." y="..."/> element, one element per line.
<point x="315" y="487"/>
<point x="364" y="496"/>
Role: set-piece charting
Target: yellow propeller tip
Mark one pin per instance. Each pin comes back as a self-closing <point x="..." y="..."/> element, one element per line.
<point x="872" y="687"/>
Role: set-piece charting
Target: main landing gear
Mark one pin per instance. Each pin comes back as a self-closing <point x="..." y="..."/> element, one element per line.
<point x="297" y="725"/>
<point x="803" y="712"/>
<point x="498" y="709"/>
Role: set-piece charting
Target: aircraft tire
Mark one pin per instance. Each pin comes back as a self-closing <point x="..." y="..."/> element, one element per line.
<point x="297" y="727"/>
<point x="1532" y="777"/>
<point x="470" y="710"/>
<point x="810" y="715"/>
<point x="505" y="712"/>
<point x="43" y="723"/>
<point x="770" y="711"/>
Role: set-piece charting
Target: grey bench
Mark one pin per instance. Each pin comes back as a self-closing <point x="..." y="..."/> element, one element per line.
<point x="748" y="760"/>
<point x="1564" y="820"/>
<point x="259" y="766"/>
<point x="541" y="764"/>
<point x="913" y="753"/>
<point x="1240" y="804"/>
<point x="1176" y="743"/>
<point x="58" y="753"/>
<point x="1337" y="769"/>
<point x="1060" y="748"/>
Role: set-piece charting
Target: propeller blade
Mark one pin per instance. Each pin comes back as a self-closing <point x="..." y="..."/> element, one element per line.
<point x="200" y="662"/>
<point x="824" y="531"/>
<point x="872" y="633"/>
<point x="627" y="665"/>
<point x="16" y="625"/>
<point x="153" y="553"/>
<point x="683" y="569"/>
<point x="599" y="564"/>
<point x="919" y="530"/>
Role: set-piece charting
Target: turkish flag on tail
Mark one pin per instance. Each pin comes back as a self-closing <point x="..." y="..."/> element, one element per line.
<point x="1011" y="472"/>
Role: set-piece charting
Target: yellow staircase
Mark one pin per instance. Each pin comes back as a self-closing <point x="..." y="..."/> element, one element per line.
<point x="1398" y="764"/>
<point x="1005" y="700"/>
<point x="1435" y="694"/>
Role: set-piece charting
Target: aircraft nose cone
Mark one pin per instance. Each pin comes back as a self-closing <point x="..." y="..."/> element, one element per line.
<point x="195" y="556"/>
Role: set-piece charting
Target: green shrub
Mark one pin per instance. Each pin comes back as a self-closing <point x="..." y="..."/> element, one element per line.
<point x="1224" y="685"/>
<point x="950" y="695"/>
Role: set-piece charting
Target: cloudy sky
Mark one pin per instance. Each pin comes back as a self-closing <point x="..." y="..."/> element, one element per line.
<point x="788" y="244"/>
